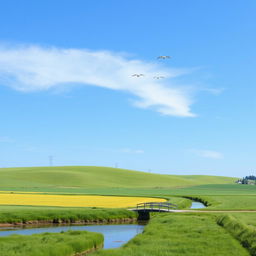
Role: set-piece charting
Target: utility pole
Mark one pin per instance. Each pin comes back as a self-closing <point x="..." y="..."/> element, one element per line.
<point x="116" y="165"/>
<point x="50" y="160"/>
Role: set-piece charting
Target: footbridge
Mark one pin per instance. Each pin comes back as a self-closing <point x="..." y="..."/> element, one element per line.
<point x="144" y="209"/>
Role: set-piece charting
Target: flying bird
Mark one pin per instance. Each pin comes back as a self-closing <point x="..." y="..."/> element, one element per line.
<point x="158" y="77"/>
<point x="137" y="75"/>
<point x="164" y="57"/>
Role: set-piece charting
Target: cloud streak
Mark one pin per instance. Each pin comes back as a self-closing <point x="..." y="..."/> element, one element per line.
<point x="6" y="139"/>
<point x="208" y="154"/>
<point x="132" y="151"/>
<point x="35" y="68"/>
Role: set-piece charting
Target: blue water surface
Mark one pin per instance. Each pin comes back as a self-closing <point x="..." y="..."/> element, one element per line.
<point x="114" y="235"/>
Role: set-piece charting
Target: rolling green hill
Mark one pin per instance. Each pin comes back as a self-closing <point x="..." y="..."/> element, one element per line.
<point x="98" y="177"/>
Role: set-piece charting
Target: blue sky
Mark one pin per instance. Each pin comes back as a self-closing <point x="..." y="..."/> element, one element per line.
<point x="66" y="85"/>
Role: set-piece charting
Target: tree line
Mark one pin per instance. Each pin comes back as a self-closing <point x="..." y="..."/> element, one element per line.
<point x="250" y="180"/>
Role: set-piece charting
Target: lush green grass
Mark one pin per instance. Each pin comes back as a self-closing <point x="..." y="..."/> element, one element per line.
<point x="50" y="244"/>
<point x="224" y="197"/>
<point x="248" y="218"/>
<point x="231" y="202"/>
<point x="243" y="233"/>
<point x="69" y="177"/>
<point x="219" y="189"/>
<point x="181" y="235"/>
<point x="23" y="214"/>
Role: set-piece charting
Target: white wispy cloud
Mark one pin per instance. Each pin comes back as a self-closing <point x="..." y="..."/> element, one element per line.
<point x="132" y="151"/>
<point x="35" y="68"/>
<point x="6" y="139"/>
<point x="208" y="153"/>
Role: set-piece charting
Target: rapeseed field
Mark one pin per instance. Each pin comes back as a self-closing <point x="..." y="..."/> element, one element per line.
<point x="73" y="200"/>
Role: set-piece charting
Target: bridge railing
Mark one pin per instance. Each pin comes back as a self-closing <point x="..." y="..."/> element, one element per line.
<point x="156" y="206"/>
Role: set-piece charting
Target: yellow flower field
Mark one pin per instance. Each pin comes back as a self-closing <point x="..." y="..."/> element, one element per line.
<point x="74" y="200"/>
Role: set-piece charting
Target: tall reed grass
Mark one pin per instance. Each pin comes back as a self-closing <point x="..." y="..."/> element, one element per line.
<point x="243" y="233"/>
<point x="50" y="244"/>
<point x="63" y="215"/>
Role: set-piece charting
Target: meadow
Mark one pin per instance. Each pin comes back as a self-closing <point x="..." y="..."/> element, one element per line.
<point x="181" y="235"/>
<point x="53" y="244"/>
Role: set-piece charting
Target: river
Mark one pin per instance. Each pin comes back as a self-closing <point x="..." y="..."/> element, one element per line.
<point x="114" y="235"/>
<point x="197" y="205"/>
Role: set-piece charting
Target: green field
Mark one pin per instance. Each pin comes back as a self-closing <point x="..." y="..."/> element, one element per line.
<point x="97" y="177"/>
<point x="167" y="234"/>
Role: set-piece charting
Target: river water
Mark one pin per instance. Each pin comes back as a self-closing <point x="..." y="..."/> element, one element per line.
<point x="197" y="205"/>
<point x="114" y="235"/>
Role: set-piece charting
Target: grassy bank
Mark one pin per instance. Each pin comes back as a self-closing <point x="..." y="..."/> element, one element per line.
<point x="23" y="215"/>
<point x="248" y="218"/>
<point x="181" y="235"/>
<point x="242" y="232"/>
<point x="50" y="244"/>
<point x="183" y="203"/>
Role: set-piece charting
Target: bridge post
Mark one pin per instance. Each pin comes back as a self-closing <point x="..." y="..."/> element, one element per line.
<point x="144" y="215"/>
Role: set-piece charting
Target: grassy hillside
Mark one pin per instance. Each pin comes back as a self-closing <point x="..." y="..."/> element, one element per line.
<point x="98" y="177"/>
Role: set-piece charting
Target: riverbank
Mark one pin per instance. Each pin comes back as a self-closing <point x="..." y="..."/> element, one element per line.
<point x="55" y="244"/>
<point x="36" y="223"/>
<point x="15" y="216"/>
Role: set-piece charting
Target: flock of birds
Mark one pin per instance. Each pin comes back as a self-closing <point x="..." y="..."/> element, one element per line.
<point x="163" y="57"/>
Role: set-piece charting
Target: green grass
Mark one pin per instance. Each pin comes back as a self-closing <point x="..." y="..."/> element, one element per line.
<point x="72" y="177"/>
<point x="24" y="214"/>
<point x="248" y="218"/>
<point x="231" y="203"/>
<point x="219" y="189"/>
<point x="243" y="233"/>
<point x="181" y="235"/>
<point x="50" y="244"/>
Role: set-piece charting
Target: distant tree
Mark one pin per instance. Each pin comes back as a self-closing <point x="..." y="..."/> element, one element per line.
<point x="250" y="179"/>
